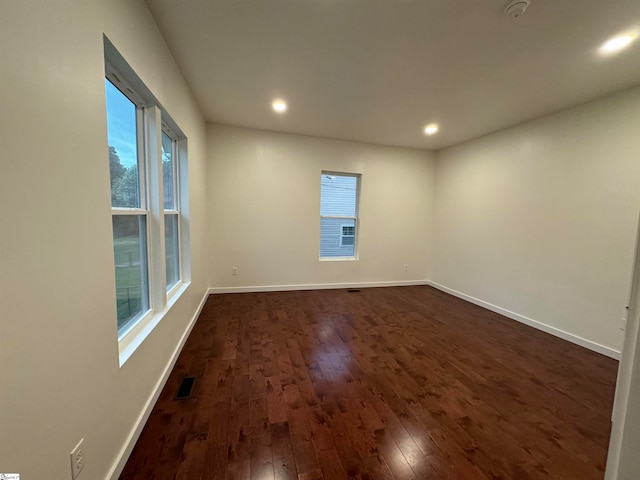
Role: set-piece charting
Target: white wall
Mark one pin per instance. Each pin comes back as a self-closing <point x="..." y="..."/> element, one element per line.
<point x="59" y="373"/>
<point x="623" y="462"/>
<point x="264" y="210"/>
<point x="540" y="219"/>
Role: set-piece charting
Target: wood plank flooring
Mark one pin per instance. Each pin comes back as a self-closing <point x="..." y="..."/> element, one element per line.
<point x="384" y="383"/>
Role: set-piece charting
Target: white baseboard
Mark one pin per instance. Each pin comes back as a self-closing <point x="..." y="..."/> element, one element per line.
<point x="583" y="342"/>
<point x="127" y="448"/>
<point x="314" y="286"/>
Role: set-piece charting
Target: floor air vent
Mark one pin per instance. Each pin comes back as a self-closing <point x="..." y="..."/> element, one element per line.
<point x="185" y="388"/>
<point x="353" y="290"/>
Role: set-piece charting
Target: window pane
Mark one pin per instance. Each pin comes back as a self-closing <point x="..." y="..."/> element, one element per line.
<point x="123" y="148"/>
<point x="168" y="172"/>
<point x="130" y="252"/>
<point x="347" y="240"/>
<point x="332" y="242"/>
<point x="338" y="195"/>
<point x="172" y="249"/>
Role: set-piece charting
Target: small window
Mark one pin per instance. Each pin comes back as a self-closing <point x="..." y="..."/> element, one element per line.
<point x="339" y="193"/>
<point x="347" y="236"/>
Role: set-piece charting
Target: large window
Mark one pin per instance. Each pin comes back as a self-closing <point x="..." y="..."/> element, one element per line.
<point x="146" y="162"/>
<point x="339" y="193"/>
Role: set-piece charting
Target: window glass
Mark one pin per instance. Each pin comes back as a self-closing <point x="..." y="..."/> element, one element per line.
<point x="168" y="172"/>
<point x="172" y="249"/>
<point x="130" y="252"/>
<point x="338" y="195"/>
<point x="123" y="148"/>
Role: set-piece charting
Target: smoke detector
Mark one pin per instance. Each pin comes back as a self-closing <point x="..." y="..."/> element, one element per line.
<point x="516" y="8"/>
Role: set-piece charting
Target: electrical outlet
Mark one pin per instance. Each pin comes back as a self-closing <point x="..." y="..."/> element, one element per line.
<point x="77" y="459"/>
<point x="234" y="270"/>
<point x="406" y="267"/>
<point x="623" y="324"/>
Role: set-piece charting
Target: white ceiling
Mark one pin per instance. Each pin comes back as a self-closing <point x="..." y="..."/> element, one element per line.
<point x="377" y="71"/>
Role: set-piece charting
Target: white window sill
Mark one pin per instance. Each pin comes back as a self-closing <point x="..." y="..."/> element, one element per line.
<point x="338" y="259"/>
<point x="131" y="340"/>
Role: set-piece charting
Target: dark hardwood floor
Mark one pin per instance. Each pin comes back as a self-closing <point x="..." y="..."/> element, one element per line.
<point x="385" y="383"/>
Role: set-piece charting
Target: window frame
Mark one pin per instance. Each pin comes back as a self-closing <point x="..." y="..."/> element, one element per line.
<point x="355" y="218"/>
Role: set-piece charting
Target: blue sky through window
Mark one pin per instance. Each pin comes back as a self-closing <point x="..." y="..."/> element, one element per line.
<point x="121" y="125"/>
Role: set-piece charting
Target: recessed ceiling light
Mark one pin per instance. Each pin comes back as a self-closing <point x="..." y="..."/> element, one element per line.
<point x="615" y="44"/>
<point x="431" y="128"/>
<point x="279" y="106"/>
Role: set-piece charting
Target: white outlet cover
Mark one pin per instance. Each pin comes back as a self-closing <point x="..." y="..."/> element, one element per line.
<point x="77" y="459"/>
